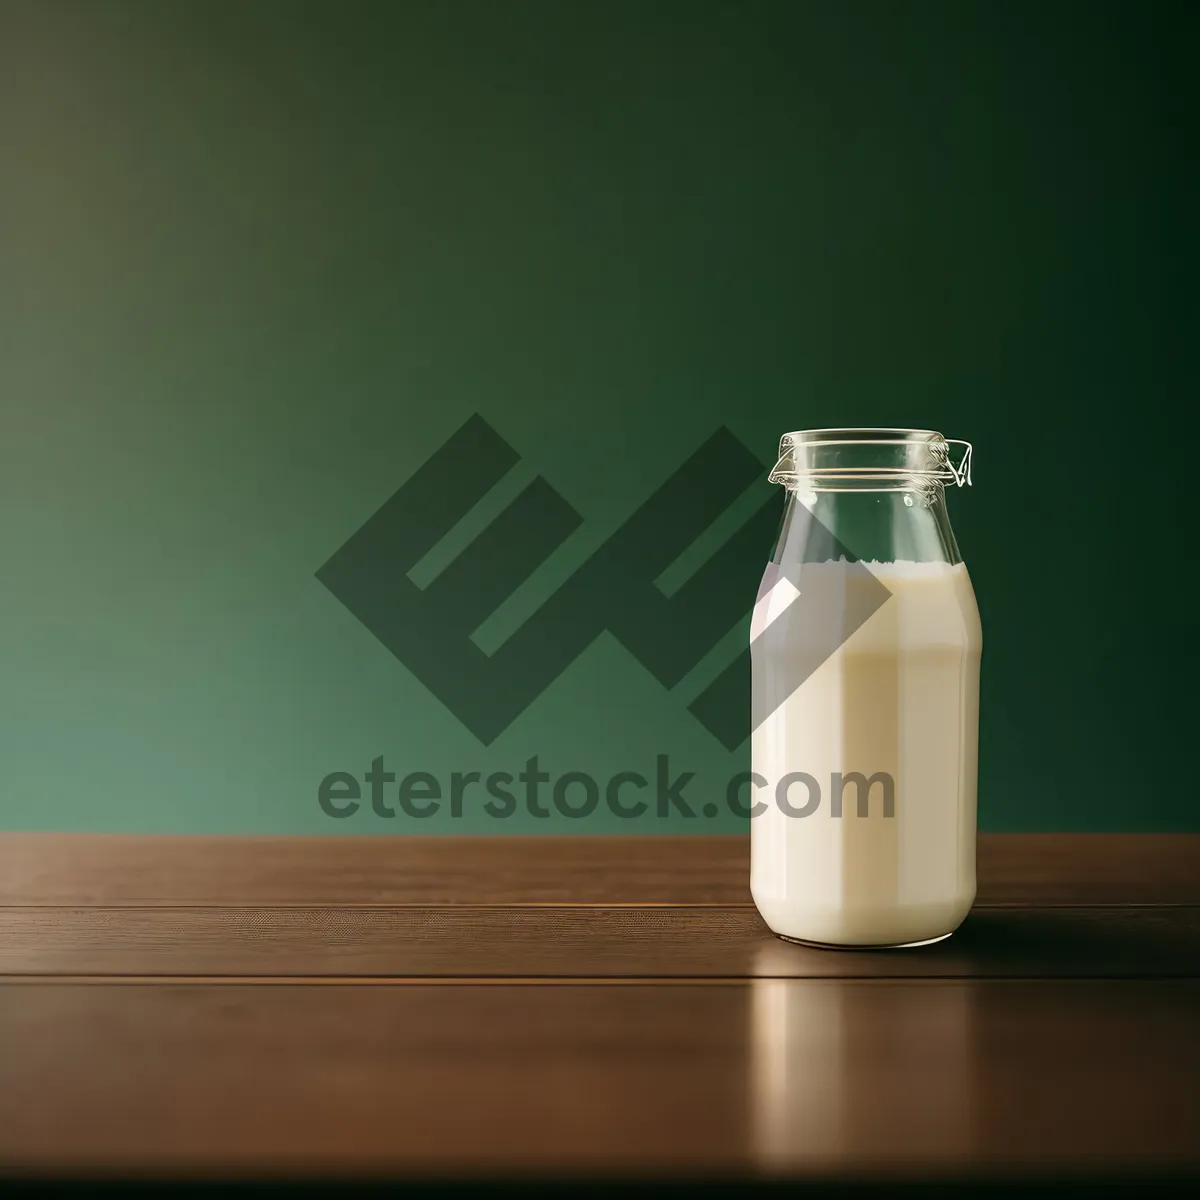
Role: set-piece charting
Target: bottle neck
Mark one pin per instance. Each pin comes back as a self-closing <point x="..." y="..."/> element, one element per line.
<point x="901" y="521"/>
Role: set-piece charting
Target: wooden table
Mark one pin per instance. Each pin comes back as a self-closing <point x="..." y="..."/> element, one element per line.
<point x="602" y="1007"/>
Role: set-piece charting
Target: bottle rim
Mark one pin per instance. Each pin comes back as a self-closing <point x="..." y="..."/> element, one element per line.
<point x="818" y="457"/>
<point x="929" y="434"/>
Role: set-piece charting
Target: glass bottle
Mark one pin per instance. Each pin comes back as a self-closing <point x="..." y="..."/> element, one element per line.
<point x="865" y="651"/>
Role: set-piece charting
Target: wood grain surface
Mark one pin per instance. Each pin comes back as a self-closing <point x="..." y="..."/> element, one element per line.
<point x="558" y="943"/>
<point x="915" y="1078"/>
<point x="554" y="1008"/>
<point x="112" y="871"/>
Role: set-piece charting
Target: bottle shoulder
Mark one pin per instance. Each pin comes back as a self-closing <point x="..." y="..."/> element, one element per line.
<point x="869" y="606"/>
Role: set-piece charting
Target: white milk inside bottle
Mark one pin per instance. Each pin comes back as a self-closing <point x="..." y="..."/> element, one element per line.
<point x="865" y="647"/>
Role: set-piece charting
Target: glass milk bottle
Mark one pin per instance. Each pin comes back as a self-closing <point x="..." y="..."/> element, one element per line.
<point x="865" y="649"/>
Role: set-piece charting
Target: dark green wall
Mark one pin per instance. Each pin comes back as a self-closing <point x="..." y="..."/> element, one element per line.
<point x="259" y="260"/>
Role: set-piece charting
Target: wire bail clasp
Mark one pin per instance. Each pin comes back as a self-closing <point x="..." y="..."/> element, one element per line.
<point x="961" y="473"/>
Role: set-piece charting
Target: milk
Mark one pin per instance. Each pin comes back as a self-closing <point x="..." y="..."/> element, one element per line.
<point x="898" y="701"/>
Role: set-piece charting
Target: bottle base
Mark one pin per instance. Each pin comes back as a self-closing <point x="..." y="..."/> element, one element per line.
<point x="941" y="937"/>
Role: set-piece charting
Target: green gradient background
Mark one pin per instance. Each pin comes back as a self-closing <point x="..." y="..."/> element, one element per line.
<point x="257" y="261"/>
